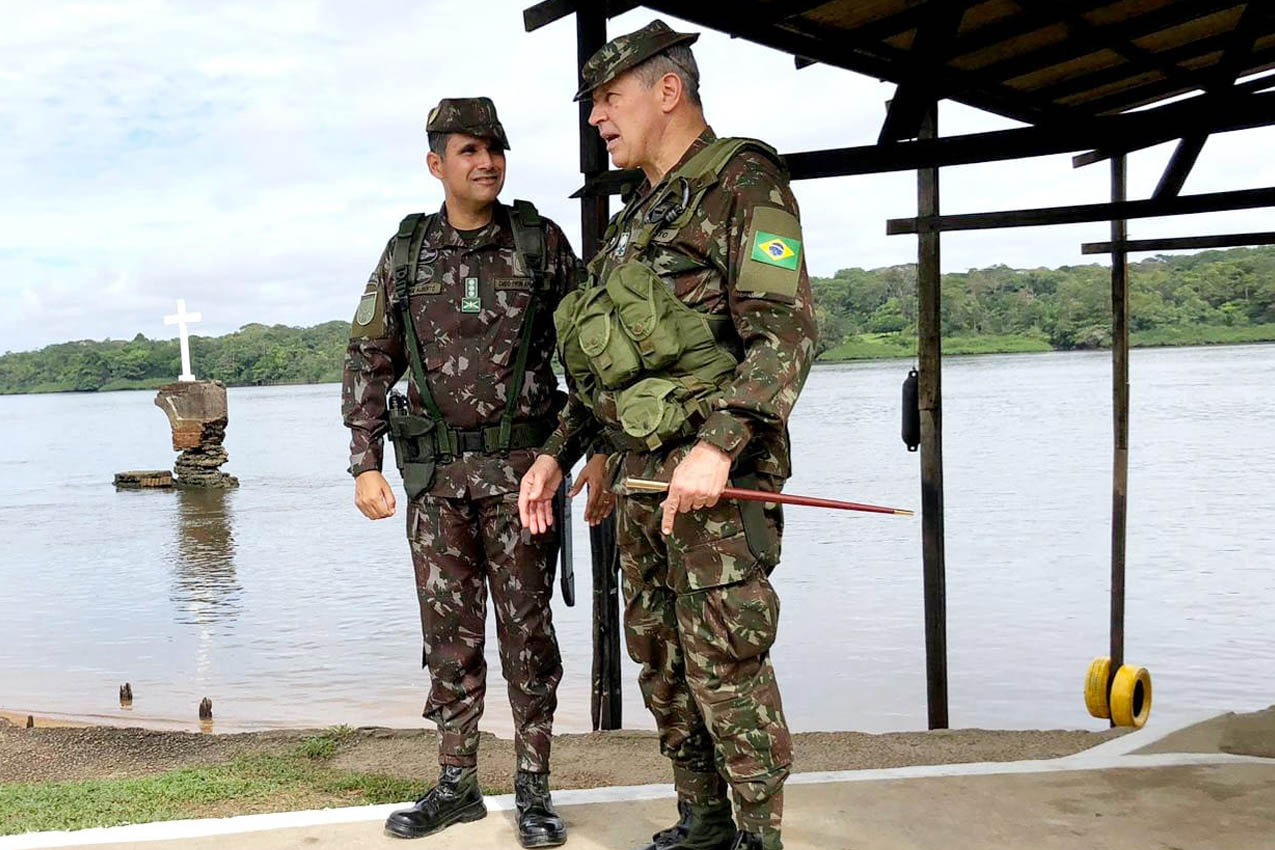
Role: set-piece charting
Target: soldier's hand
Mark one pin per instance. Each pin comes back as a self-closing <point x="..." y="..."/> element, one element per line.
<point x="697" y="482"/>
<point x="373" y="496"/>
<point x="535" y="494"/>
<point x="601" y="500"/>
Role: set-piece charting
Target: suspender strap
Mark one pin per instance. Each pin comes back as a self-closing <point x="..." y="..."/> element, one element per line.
<point x="407" y="247"/>
<point x="529" y="241"/>
<point x="529" y="238"/>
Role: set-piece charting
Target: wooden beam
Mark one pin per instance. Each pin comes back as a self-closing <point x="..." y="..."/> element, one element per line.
<point x="1123" y="45"/>
<point x="905" y="19"/>
<point x="790" y="9"/>
<point x="1182" y="243"/>
<point x="1120" y="414"/>
<point x="930" y="402"/>
<point x="1180" y="165"/>
<point x="1159" y="89"/>
<point x="1153" y="124"/>
<point x="605" y="701"/>
<point x="912" y="101"/>
<point x="1038" y="16"/>
<point x="546" y="12"/>
<point x="1258" y="84"/>
<point x="1183" y="205"/>
<point x="1235" y="56"/>
<point x="1137" y="129"/>
<point x="839" y="51"/>
<point x="1088" y="81"/>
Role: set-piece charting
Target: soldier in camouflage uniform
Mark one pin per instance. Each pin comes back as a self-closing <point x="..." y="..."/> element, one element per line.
<point x="687" y="350"/>
<point x="479" y="281"/>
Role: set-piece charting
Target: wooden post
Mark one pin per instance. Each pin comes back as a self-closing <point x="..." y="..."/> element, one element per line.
<point x="1120" y="410"/>
<point x="930" y="363"/>
<point x="605" y="704"/>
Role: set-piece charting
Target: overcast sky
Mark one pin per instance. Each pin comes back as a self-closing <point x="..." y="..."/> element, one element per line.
<point x="253" y="158"/>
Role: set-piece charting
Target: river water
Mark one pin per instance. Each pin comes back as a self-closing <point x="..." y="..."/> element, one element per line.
<point x="286" y="607"/>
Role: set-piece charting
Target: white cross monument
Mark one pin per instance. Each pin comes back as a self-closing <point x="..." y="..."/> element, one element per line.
<point x="181" y="319"/>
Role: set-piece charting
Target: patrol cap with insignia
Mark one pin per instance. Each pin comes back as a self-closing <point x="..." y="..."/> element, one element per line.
<point x="627" y="51"/>
<point x="473" y="115"/>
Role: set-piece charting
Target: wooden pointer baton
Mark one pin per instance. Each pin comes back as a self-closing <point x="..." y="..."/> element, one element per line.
<point x="643" y="485"/>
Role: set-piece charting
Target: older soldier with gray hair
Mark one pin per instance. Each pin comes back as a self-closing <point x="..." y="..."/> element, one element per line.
<point x="686" y="350"/>
<point x="461" y="301"/>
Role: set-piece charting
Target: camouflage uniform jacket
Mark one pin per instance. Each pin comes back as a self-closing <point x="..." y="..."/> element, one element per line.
<point x="777" y="331"/>
<point x="468" y="357"/>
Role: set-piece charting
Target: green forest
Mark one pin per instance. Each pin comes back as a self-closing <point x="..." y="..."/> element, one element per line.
<point x="1206" y="298"/>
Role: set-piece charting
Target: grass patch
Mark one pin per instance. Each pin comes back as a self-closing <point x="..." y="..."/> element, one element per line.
<point x="871" y="347"/>
<point x="880" y="346"/>
<point x="1203" y="335"/>
<point x="248" y="784"/>
<point x="995" y="344"/>
<point x="324" y="746"/>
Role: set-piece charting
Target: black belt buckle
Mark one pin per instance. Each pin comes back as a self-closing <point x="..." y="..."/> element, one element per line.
<point x="469" y="441"/>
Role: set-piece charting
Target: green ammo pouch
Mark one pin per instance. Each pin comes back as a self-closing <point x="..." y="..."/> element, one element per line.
<point x="642" y="307"/>
<point x="414" y="453"/>
<point x="651" y="411"/>
<point x="610" y="354"/>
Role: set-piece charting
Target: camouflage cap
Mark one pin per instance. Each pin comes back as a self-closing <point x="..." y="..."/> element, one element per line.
<point x="473" y="115"/>
<point x="626" y="51"/>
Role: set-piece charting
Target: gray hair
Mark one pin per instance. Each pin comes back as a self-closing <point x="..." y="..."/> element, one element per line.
<point x="438" y="143"/>
<point x="678" y="60"/>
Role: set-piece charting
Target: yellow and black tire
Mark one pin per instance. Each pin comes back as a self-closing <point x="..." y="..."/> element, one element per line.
<point x="1096" y="688"/>
<point x="1131" y="696"/>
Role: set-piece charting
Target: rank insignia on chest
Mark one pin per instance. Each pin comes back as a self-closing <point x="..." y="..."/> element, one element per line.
<point x="622" y="244"/>
<point x="471" y="302"/>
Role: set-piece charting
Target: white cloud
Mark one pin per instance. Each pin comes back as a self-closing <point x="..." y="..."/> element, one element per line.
<point x="253" y="158"/>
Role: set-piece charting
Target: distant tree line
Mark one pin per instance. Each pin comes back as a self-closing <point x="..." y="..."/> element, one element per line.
<point x="1174" y="300"/>
<point x="1067" y="308"/>
<point x="255" y="354"/>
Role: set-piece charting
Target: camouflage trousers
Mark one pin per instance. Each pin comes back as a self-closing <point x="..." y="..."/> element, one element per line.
<point x="700" y="616"/>
<point x="460" y="548"/>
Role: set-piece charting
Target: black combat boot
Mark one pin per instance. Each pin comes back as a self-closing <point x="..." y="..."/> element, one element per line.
<point x="455" y="799"/>
<point x="747" y="841"/>
<point x="539" y="825"/>
<point x="698" y="828"/>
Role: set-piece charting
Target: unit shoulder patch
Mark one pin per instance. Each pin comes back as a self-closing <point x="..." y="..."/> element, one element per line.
<point x="369" y="318"/>
<point x="367" y="309"/>
<point x="773" y="264"/>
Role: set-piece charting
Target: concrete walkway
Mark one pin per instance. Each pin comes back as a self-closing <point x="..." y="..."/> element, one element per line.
<point x="1106" y="798"/>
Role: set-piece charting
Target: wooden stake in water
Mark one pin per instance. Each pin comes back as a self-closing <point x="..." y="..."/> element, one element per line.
<point x="643" y="485"/>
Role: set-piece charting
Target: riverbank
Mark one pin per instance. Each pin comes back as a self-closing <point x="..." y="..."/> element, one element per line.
<point x="78" y="777"/>
<point x="900" y="346"/>
<point x="878" y="346"/>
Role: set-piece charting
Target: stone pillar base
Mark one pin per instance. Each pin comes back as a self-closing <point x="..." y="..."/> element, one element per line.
<point x="198" y="415"/>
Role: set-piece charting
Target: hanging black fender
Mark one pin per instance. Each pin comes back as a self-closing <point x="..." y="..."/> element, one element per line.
<point x="911" y="412"/>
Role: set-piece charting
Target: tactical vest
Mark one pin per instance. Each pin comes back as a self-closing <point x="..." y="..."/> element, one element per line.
<point x="421" y="441"/>
<point x="649" y="366"/>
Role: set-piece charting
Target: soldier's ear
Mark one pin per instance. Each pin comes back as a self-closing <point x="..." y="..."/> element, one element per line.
<point x="435" y="164"/>
<point x="671" y="92"/>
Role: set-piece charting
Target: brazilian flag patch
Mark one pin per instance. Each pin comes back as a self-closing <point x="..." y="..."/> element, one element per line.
<point x="775" y="250"/>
